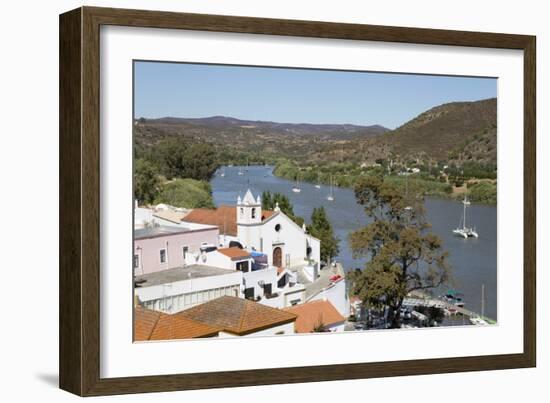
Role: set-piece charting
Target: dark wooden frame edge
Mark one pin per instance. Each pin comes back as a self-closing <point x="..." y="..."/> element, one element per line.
<point x="79" y="323"/>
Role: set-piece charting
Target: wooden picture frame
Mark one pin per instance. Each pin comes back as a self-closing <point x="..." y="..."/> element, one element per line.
<point x="79" y="282"/>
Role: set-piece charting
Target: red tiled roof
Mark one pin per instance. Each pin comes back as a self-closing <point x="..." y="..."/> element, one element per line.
<point x="153" y="325"/>
<point x="314" y="314"/>
<point x="224" y="217"/>
<point x="238" y="316"/>
<point x="234" y="252"/>
<point x="266" y="214"/>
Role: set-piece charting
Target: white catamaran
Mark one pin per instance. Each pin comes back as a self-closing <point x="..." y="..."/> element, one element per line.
<point x="462" y="230"/>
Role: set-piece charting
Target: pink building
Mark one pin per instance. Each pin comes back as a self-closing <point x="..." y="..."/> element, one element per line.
<point x="162" y="248"/>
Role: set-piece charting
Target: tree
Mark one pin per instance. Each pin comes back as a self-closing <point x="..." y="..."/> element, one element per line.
<point x="319" y="326"/>
<point x="321" y="229"/>
<point x="271" y="200"/>
<point x="178" y="158"/>
<point x="146" y="181"/>
<point x="267" y="200"/>
<point x="187" y="193"/>
<point x="404" y="255"/>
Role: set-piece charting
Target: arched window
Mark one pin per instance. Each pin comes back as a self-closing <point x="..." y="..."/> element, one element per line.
<point x="253" y="212"/>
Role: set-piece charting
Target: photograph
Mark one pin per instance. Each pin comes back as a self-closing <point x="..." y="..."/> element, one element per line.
<point x="276" y="201"/>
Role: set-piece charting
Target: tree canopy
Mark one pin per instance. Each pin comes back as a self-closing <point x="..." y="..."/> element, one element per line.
<point x="321" y="229"/>
<point x="271" y="200"/>
<point x="187" y="193"/>
<point x="404" y="255"/>
<point x="177" y="158"/>
<point x="146" y="181"/>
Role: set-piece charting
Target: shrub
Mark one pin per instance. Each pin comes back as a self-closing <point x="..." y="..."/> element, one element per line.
<point x="187" y="193"/>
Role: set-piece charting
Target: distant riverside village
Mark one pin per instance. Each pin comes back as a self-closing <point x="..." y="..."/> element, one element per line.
<point x="231" y="271"/>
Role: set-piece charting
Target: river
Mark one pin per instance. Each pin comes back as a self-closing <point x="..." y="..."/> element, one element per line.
<point x="474" y="261"/>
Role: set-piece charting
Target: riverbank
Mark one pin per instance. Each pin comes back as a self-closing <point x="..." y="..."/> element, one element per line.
<point x="479" y="191"/>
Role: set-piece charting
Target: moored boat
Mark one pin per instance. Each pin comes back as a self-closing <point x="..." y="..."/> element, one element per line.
<point x="463" y="230"/>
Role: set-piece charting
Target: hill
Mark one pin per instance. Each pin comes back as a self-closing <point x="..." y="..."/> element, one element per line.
<point x="455" y="132"/>
<point x="458" y="133"/>
<point x="255" y="141"/>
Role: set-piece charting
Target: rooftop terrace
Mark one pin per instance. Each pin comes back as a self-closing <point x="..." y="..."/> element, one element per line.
<point x="152" y="232"/>
<point x="179" y="274"/>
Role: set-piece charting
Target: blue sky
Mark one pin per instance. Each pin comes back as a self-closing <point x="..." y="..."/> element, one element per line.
<point x="294" y="95"/>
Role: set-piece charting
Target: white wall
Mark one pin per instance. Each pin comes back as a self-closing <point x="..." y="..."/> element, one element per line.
<point x="291" y="235"/>
<point x="232" y="278"/>
<point x="337" y="295"/>
<point x="28" y="162"/>
<point x="268" y="276"/>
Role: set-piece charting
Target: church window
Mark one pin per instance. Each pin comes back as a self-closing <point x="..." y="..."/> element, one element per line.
<point x="277" y="227"/>
<point x="253" y="212"/>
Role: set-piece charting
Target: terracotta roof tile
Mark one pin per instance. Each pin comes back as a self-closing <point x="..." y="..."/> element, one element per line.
<point x="152" y="325"/>
<point x="234" y="252"/>
<point x="237" y="315"/>
<point x="144" y="323"/>
<point x="266" y="214"/>
<point x="224" y="217"/>
<point x="313" y="314"/>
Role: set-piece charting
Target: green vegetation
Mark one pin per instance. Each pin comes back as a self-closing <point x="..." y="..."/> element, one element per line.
<point x="342" y="174"/>
<point x="469" y="170"/>
<point x="348" y="174"/>
<point x="426" y="187"/>
<point x="404" y="255"/>
<point x="271" y="200"/>
<point x="146" y="181"/>
<point x="321" y="229"/>
<point x="483" y="192"/>
<point x="179" y="158"/>
<point x="189" y="165"/>
<point x="188" y="193"/>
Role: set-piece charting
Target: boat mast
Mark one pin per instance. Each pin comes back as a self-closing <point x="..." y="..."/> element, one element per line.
<point x="464" y="219"/>
<point x="482" y="301"/>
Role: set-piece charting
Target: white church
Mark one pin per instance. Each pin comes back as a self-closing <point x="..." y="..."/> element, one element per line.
<point x="272" y="233"/>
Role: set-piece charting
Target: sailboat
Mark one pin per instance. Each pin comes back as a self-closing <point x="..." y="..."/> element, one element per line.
<point x="241" y="171"/>
<point x="296" y="188"/>
<point x="462" y="230"/>
<point x="318" y="185"/>
<point x="330" y="196"/>
<point x="480" y="320"/>
<point x="222" y="174"/>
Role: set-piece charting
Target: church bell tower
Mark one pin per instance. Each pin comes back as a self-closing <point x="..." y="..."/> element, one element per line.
<point x="249" y="210"/>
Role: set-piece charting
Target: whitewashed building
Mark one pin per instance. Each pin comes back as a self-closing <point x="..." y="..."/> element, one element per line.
<point x="177" y="289"/>
<point x="269" y="285"/>
<point x="273" y="233"/>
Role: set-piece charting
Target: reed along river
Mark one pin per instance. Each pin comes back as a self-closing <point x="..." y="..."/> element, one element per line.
<point x="474" y="261"/>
